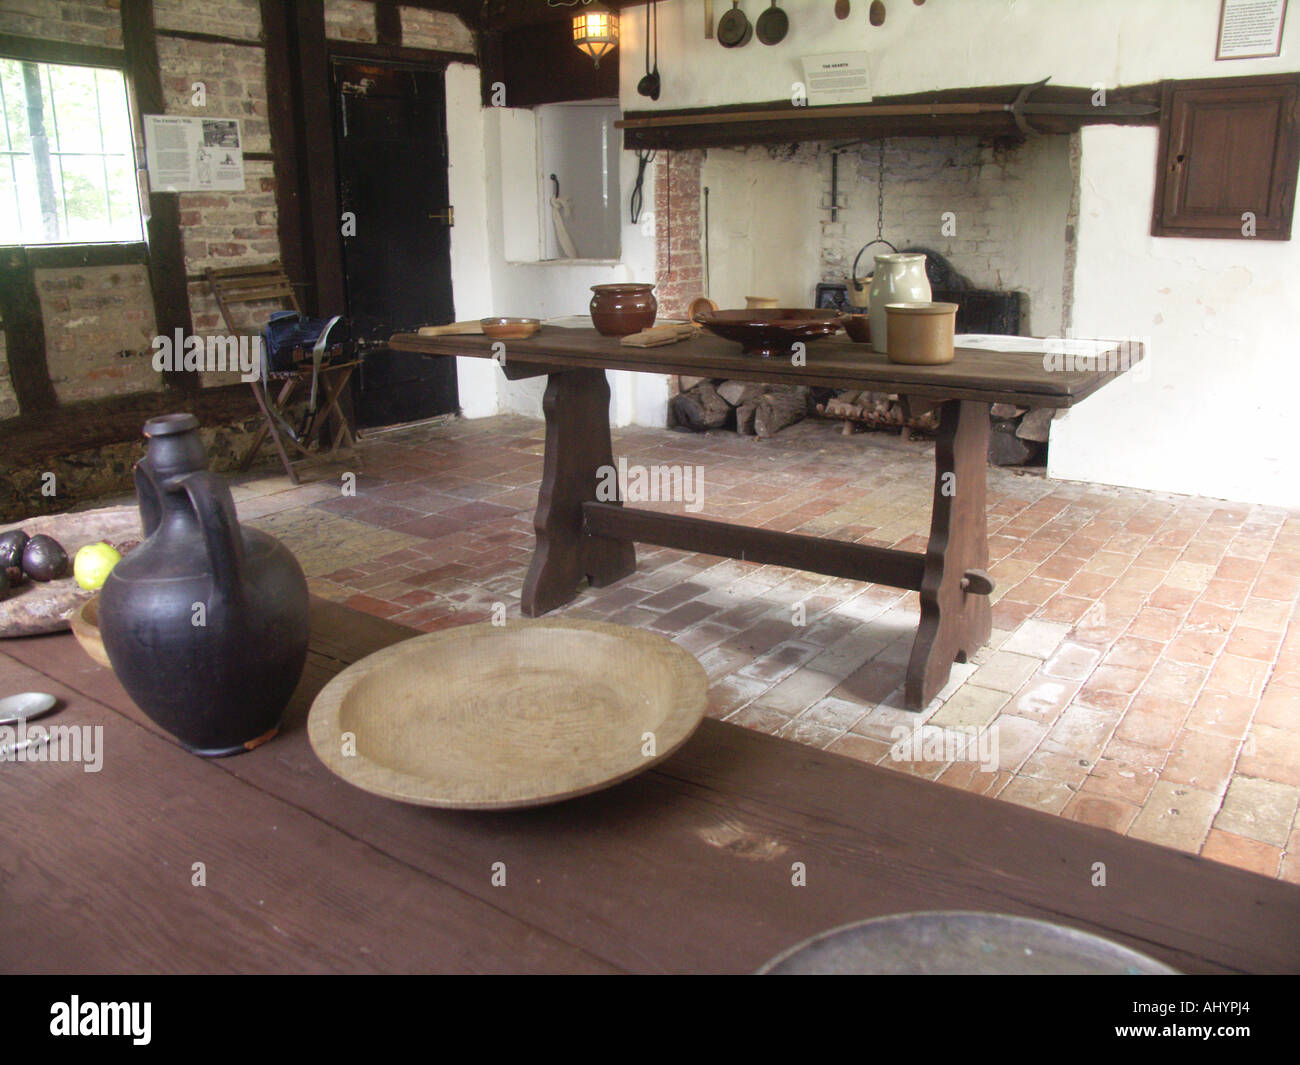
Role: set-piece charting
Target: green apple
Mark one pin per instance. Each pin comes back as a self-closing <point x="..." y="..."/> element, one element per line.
<point x="93" y="564"/>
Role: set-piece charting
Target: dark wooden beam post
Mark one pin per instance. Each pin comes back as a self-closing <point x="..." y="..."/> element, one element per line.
<point x="282" y="92"/>
<point x="319" y="168"/>
<point x="167" y="280"/>
<point x="24" y="327"/>
<point x="388" y="23"/>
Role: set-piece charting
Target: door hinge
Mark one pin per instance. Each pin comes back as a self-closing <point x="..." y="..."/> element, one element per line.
<point x="448" y="216"/>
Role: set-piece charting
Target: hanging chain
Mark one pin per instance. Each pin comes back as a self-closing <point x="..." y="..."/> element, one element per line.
<point x="880" y="194"/>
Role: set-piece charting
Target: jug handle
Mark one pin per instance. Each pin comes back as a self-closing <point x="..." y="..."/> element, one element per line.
<point x="149" y="494"/>
<point x="216" y="513"/>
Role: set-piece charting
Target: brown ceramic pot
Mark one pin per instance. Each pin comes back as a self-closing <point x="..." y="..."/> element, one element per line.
<point x="621" y="310"/>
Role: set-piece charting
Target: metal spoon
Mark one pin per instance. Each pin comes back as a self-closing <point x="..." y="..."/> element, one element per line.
<point x="25" y="705"/>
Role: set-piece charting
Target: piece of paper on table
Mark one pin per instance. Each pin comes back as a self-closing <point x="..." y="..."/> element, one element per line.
<point x="1033" y="345"/>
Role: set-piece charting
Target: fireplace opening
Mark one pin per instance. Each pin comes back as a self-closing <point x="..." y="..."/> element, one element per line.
<point x="996" y="222"/>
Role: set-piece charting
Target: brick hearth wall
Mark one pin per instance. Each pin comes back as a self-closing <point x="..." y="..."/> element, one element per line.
<point x="679" y="256"/>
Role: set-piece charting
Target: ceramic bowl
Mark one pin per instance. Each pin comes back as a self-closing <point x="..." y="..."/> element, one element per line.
<point x="771" y="333"/>
<point x="858" y="326"/>
<point x="510" y="328"/>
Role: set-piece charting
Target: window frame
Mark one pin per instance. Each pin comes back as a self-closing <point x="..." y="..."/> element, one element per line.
<point x="92" y="253"/>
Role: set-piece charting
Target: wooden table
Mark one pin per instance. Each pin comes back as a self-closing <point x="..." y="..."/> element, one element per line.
<point x="580" y="537"/>
<point x="685" y="868"/>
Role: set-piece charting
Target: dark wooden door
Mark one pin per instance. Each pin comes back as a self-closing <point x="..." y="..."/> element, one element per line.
<point x="390" y="126"/>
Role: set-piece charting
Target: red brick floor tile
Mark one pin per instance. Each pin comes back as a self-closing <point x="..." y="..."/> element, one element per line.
<point x="1065" y="608"/>
<point x="1202" y="760"/>
<point x="1231" y="849"/>
<point x="1154" y="624"/>
<point x="1279" y="707"/>
<point x="1241" y="676"/>
<point x="1102" y="811"/>
<point x="370" y="605"/>
<point x="1253" y="643"/>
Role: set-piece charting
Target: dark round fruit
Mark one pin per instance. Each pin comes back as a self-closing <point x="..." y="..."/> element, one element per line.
<point x="16" y="576"/>
<point x="44" y="559"/>
<point x="4" y="584"/>
<point x="11" y="548"/>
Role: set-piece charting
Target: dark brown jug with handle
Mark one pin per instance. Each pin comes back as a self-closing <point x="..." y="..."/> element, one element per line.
<point x="206" y="622"/>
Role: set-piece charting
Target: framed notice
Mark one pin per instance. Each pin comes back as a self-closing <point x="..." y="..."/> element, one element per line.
<point x="1250" y="29"/>
<point x="193" y="154"/>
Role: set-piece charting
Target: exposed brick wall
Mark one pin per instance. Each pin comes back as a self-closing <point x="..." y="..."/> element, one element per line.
<point x="350" y="20"/>
<point x="220" y="229"/>
<point x="77" y="21"/>
<point x="99" y="329"/>
<point x="234" y="82"/>
<point x="8" y="400"/>
<point x="679" y="260"/>
<point x="436" y="30"/>
<point x="226" y="18"/>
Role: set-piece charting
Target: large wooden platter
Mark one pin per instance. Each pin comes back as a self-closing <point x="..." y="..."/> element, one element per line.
<point x="486" y="717"/>
<point x="38" y="607"/>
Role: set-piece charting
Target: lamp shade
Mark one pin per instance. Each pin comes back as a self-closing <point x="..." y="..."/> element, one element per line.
<point x="595" y="31"/>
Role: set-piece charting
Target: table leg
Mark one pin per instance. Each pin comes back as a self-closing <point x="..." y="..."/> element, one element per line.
<point x="956" y="616"/>
<point x="576" y="406"/>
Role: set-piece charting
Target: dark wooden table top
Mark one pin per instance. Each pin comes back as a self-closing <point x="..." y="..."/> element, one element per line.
<point x="834" y="362"/>
<point x="686" y="868"/>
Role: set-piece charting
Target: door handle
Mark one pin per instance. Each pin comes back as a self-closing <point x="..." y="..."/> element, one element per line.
<point x="448" y="216"/>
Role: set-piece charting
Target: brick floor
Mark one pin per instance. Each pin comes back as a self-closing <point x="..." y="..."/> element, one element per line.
<point x="1142" y="674"/>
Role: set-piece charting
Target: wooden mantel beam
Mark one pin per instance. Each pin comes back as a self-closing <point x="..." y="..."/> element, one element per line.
<point x="949" y="112"/>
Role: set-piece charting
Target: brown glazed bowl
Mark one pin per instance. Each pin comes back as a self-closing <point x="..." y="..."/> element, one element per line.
<point x="858" y="326"/>
<point x="772" y="332"/>
<point x="510" y="328"/>
<point x="621" y="310"/>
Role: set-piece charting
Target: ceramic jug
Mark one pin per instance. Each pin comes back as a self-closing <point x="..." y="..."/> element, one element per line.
<point x="899" y="278"/>
<point x="206" y="622"/>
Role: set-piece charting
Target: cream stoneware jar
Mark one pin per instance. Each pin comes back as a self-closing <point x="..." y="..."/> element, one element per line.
<point x="899" y="278"/>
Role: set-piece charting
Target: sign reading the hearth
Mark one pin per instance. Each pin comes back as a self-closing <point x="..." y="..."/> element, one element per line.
<point x="841" y="77"/>
<point x="1250" y="29"/>
<point x="193" y="154"/>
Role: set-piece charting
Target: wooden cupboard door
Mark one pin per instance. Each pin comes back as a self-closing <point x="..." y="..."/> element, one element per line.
<point x="1227" y="147"/>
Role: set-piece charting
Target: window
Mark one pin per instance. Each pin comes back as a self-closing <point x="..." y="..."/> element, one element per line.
<point x="67" y="162"/>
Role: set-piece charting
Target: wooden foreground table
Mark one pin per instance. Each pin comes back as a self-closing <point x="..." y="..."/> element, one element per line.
<point x="166" y="863"/>
<point x="580" y="537"/>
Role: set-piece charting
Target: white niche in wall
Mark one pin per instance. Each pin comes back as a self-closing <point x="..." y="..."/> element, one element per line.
<point x="573" y="146"/>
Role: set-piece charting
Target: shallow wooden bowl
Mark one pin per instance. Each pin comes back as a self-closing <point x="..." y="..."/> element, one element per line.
<point x="487" y="717"/>
<point x="510" y="328"/>
<point x="85" y="627"/>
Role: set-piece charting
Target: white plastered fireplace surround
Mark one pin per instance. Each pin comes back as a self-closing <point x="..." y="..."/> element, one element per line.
<point x="1211" y="415"/>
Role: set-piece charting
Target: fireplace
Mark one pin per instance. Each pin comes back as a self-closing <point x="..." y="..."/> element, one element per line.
<point x="996" y="221"/>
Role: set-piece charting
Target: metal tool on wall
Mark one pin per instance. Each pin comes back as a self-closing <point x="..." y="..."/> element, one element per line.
<point x="650" y="84"/>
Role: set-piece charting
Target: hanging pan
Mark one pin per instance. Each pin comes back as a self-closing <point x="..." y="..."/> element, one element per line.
<point x="773" y="24"/>
<point x="734" y="29"/>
